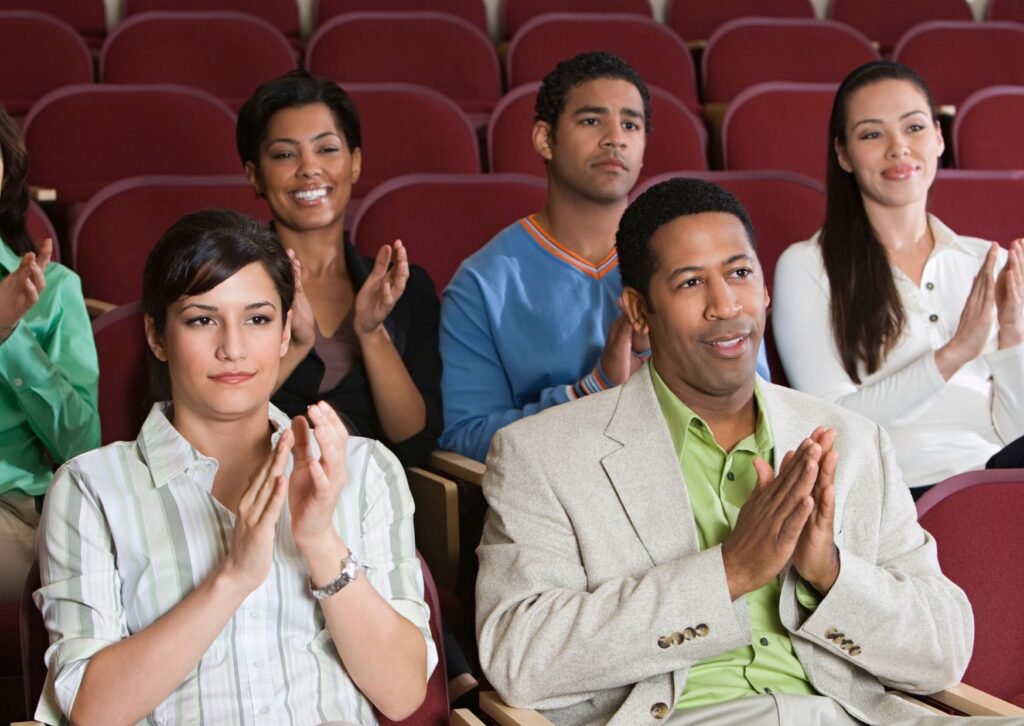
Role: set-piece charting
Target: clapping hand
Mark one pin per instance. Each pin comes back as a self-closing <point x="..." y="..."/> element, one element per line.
<point x="20" y="290"/>
<point x="380" y="292"/>
<point x="975" y="326"/>
<point x="302" y="311"/>
<point x="816" y="557"/>
<point x="1009" y="292"/>
<point x="316" y="484"/>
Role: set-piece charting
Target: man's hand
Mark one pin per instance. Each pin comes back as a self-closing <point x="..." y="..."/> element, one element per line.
<point x="816" y="557"/>
<point x="20" y="290"/>
<point x="771" y="521"/>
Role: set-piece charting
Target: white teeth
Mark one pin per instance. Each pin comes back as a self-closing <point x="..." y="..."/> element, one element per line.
<point x="723" y="343"/>
<point x="310" y="195"/>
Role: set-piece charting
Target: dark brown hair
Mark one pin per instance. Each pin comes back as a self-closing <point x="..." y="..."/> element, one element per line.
<point x="867" y="315"/>
<point x="14" y="191"/>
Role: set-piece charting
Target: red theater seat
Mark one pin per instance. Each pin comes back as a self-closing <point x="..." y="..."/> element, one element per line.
<point x="443" y="219"/>
<point x="517" y="13"/>
<point x="39" y="53"/>
<point x="470" y="10"/>
<point x="1012" y="10"/>
<point x="697" y="20"/>
<point x="987" y="131"/>
<point x="748" y="51"/>
<point x="983" y="204"/>
<point x="40" y="227"/>
<point x="224" y="53"/>
<point x="124" y="376"/>
<point x="657" y="54"/>
<point x="282" y="14"/>
<point x="87" y="17"/>
<point x="678" y="139"/>
<point x="958" y="58"/>
<point x="884" y="21"/>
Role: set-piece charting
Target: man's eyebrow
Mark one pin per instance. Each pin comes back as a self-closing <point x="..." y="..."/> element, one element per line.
<point x="684" y="270"/>
<point x="632" y="113"/>
<point x="590" y="109"/>
<point x="878" y="120"/>
<point x="737" y="258"/>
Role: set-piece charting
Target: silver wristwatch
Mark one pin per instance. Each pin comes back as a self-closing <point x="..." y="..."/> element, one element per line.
<point x="349" y="572"/>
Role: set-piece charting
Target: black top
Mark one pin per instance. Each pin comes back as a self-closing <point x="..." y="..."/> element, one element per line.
<point x="413" y="327"/>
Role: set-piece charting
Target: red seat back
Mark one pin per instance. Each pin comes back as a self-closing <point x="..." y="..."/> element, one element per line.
<point x="958" y="58"/>
<point x="517" y="13"/>
<point x="696" y="20"/>
<point x="435" y="50"/>
<point x="224" y="53"/>
<point x="677" y="139"/>
<point x="87" y="17"/>
<point x="986" y="131"/>
<point x="122" y="351"/>
<point x="410" y="129"/>
<point x="473" y="11"/>
<point x="1012" y="10"/>
<point x="779" y="126"/>
<point x="119" y="226"/>
<point x="655" y="52"/>
<point x="282" y="14"/>
<point x="975" y="518"/>
<point x="748" y="51"/>
<point x="885" y="22"/>
<point x="443" y="219"/>
<point x="982" y="204"/>
<point x="38" y="53"/>
<point x="114" y="132"/>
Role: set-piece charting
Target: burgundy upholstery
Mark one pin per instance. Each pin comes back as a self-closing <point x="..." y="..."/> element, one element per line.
<point x="696" y="20"/>
<point x="748" y="51"/>
<point x="11" y="681"/>
<point x="226" y="54"/>
<point x="517" y="13"/>
<point x="885" y="21"/>
<point x="39" y="228"/>
<point x="982" y="204"/>
<point x="119" y="226"/>
<point x="410" y="129"/>
<point x="1012" y="10"/>
<point x="124" y="376"/>
<point x="38" y="54"/>
<point x="443" y="219"/>
<point x="114" y="132"/>
<point x="34" y="642"/>
<point x="958" y="58"/>
<point x="778" y="125"/>
<point x="677" y="140"/>
<point x="282" y="14"/>
<point x="436" y="50"/>
<point x="975" y="518"/>
<point x="87" y="17"/>
<point x="473" y="11"/>
<point x="657" y="54"/>
<point x="986" y="131"/>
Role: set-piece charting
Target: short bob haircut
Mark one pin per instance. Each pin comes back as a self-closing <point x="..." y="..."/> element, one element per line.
<point x="293" y="90"/>
<point x="660" y="205"/>
<point x="554" y="89"/>
<point x="14" y="192"/>
<point x="200" y="251"/>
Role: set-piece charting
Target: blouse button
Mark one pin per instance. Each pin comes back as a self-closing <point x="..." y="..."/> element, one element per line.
<point x="929" y="285"/>
<point x="933" y="317"/>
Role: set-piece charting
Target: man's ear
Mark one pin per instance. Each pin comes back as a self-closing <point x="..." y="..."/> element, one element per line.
<point x="286" y="334"/>
<point x="635" y="308"/>
<point x="543" y="139"/>
<point x="252" y="173"/>
<point x="156" y="343"/>
<point x="357" y="168"/>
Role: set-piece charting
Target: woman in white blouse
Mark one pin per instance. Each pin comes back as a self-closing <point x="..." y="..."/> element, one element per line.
<point x="889" y="312"/>
<point x="230" y="565"/>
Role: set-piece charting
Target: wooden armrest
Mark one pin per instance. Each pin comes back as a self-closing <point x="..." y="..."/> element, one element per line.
<point x="42" y="195"/>
<point x="30" y="723"/>
<point x="693" y="45"/>
<point x="95" y="307"/>
<point x="975" y="702"/>
<point x="436" y="522"/>
<point x="458" y="466"/>
<point x="714" y="116"/>
<point x="465" y="717"/>
<point x="505" y="715"/>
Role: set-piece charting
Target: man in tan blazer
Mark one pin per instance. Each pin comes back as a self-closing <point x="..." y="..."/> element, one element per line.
<point x="602" y="587"/>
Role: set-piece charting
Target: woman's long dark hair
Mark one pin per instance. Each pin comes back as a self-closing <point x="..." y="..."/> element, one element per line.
<point x="14" y="191"/>
<point x="867" y="314"/>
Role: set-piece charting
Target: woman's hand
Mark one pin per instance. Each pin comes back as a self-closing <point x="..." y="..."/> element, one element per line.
<point x="302" y="311"/>
<point x="20" y="290"/>
<point x="316" y="484"/>
<point x="976" y="320"/>
<point x="382" y="288"/>
<point x="1010" y="297"/>
<point x="248" y="561"/>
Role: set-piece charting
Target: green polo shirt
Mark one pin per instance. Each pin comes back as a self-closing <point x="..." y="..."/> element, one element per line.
<point x="718" y="483"/>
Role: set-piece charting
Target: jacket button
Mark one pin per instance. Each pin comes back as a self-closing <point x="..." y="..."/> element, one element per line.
<point x="855" y="650"/>
<point x="664" y="641"/>
<point x="659" y="710"/>
<point x="845" y="645"/>
<point x="676" y="638"/>
<point x="831" y="633"/>
<point x="689" y="634"/>
<point x="703" y="630"/>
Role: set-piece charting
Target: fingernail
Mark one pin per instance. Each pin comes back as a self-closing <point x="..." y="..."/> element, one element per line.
<point x="314" y="411"/>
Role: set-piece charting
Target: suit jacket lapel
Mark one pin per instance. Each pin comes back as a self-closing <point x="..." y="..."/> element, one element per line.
<point x="646" y="475"/>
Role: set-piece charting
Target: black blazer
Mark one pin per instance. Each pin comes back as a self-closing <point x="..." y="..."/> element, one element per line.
<point x="413" y="327"/>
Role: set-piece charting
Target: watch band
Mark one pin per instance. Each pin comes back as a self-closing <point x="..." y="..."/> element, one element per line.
<point x="349" y="572"/>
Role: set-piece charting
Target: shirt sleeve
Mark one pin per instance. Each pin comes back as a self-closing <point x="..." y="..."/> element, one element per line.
<point x="388" y="555"/>
<point x="1007" y="368"/>
<point x="803" y="334"/>
<point x="49" y="363"/>
<point x="478" y="397"/>
<point x="80" y="597"/>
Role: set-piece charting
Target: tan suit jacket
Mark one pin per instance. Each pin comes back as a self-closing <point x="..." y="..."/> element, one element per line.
<point x="590" y="562"/>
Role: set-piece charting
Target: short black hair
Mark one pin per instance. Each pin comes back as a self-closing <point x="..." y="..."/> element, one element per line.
<point x="293" y="90"/>
<point x="568" y="74"/>
<point x="200" y="251"/>
<point x="661" y="204"/>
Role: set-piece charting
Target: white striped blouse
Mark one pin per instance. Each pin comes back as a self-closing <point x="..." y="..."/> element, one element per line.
<point x="130" y="529"/>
